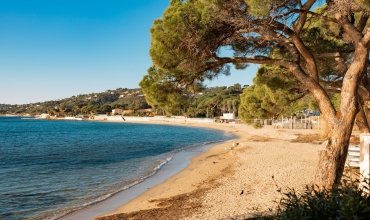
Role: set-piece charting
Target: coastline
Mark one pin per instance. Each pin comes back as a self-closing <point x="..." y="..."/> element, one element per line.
<point x="199" y="189"/>
<point x="178" y="162"/>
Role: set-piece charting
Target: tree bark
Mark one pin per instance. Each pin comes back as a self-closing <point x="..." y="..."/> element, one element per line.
<point x="361" y="121"/>
<point x="364" y="95"/>
<point x="332" y="158"/>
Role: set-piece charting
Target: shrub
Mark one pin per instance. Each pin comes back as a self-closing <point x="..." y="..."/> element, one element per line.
<point x="345" y="201"/>
<point x="257" y="124"/>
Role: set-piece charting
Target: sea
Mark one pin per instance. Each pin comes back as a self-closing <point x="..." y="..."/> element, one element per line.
<point x="51" y="168"/>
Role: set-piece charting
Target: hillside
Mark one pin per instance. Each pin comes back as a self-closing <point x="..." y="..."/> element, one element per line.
<point x="100" y="103"/>
<point x="208" y="103"/>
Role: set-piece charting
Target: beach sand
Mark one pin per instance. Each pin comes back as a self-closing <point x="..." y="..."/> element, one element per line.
<point x="223" y="182"/>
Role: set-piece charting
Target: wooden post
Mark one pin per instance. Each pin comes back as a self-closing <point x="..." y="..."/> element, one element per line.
<point x="291" y="124"/>
<point x="364" y="154"/>
<point x="318" y="123"/>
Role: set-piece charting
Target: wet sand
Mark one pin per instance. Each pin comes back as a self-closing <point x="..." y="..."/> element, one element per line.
<point x="225" y="182"/>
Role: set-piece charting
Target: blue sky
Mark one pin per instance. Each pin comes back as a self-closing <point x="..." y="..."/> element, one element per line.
<point x="51" y="49"/>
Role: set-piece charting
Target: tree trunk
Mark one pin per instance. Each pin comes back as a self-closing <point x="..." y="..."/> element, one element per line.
<point x="361" y="122"/>
<point x="332" y="159"/>
<point x="364" y="98"/>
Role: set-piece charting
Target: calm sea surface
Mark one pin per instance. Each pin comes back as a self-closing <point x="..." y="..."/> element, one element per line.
<point x="49" y="168"/>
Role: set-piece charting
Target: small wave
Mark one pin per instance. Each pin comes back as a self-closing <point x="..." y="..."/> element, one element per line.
<point x="211" y="142"/>
<point x="190" y="143"/>
<point x="68" y="210"/>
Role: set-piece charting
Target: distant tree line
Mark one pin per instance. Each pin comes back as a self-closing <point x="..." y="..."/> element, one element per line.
<point x="95" y="103"/>
<point x="201" y="102"/>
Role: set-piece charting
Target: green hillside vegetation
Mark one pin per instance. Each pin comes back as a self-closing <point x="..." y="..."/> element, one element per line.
<point x="265" y="99"/>
<point x="208" y="102"/>
<point x="96" y="103"/>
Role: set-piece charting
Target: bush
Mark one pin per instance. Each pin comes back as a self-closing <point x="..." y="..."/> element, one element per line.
<point x="344" y="201"/>
<point x="257" y="124"/>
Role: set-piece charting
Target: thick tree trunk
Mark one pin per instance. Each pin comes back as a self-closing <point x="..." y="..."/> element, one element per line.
<point x="364" y="96"/>
<point x="361" y="122"/>
<point x="367" y="115"/>
<point x="332" y="159"/>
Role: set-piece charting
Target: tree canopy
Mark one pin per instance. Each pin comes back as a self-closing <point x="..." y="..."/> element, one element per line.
<point x="325" y="49"/>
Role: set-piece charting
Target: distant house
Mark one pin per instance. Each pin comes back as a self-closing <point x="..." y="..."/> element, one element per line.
<point x="117" y="111"/>
<point x="228" y="116"/>
<point x="43" y="116"/>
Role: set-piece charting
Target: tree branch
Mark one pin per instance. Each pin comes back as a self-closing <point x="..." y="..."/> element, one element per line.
<point x="333" y="54"/>
<point x="323" y="17"/>
<point x="337" y="56"/>
<point x="349" y="28"/>
<point x="362" y="23"/>
<point x="363" y="92"/>
<point x="301" y="47"/>
<point x="303" y="16"/>
<point x="361" y="120"/>
<point x="366" y="39"/>
<point x="269" y="34"/>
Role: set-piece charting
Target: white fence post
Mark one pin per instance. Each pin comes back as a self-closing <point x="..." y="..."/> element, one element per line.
<point x="364" y="154"/>
<point x="318" y="124"/>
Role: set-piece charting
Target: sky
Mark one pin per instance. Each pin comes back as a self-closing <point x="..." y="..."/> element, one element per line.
<point x="60" y="48"/>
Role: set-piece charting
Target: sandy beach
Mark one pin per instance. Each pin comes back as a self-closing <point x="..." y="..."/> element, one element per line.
<point x="227" y="182"/>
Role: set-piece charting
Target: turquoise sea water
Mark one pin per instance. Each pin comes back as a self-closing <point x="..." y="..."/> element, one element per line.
<point x="50" y="168"/>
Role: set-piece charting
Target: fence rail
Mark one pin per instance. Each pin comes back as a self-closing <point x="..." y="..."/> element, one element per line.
<point x="315" y="122"/>
<point x="289" y="123"/>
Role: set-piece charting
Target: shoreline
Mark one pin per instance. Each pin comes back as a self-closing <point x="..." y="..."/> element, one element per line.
<point x="178" y="163"/>
<point x="171" y="186"/>
<point x="220" y="183"/>
<point x="203" y="188"/>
